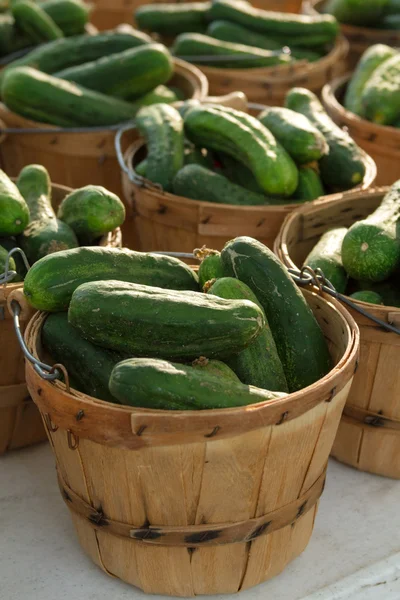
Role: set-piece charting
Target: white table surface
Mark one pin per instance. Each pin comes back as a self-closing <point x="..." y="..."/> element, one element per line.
<point x="354" y="553"/>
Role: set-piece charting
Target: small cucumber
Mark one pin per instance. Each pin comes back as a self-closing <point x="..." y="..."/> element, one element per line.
<point x="14" y="212"/>
<point x="162" y="127"/>
<point x="345" y="165"/>
<point x="32" y="20"/>
<point x="159" y="384"/>
<point x="310" y="185"/>
<point x="301" y="345"/>
<point x="381" y="95"/>
<point x="371" y="247"/>
<point x="326" y="255"/>
<point x="244" y="138"/>
<point x="214" y="367"/>
<point x="71" y="16"/>
<point x="171" y="19"/>
<point x="259" y="363"/>
<point x="11" y="263"/>
<point x="210" y="267"/>
<point x="369" y="62"/>
<point x="195" y="47"/>
<point x="159" y="95"/>
<point x="45" y="233"/>
<point x="356" y="12"/>
<point x="304" y="142"/>
<point x="91" y="212"/>
<point x="367" y="296"/>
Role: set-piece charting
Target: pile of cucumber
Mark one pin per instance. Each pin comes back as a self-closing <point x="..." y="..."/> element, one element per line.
<point x="139" y="329"/>
<point x="27" y="23"/>
<point x="89" y="80"/>
<point x="233" y="34"/>
<point x="218" y="154"/>
<point x="380" y="14"/>
<point x="374" y="89"/>
<point x="28" y="220"/>
<point x="364" y="260"/>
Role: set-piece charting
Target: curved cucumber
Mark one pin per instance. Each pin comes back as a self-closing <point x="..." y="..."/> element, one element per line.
<point x="326" y="255"/>
<point x="34" y="22"/>
<point x="14" y="212"/>
<point x="259" y="364"/>
<point x="367" y="296"/>
<point x="369" y="62"/>
<point x="304" y="142"/>
<point x="310" y="185"/>
<point x="162" y="127"/>
<point x="214" y="367"/>
<point x="172" y="19"/>
<point x="50" y="283"/>
<point x="91" y="212"/>
<point x="381" y="95"/>
<point x="344" y="166"/>
<point x="169" y="386"/>
<point x="167" y="323"/>
<point x="301" y="345"/>
<point x="244" y="138"/>
<point x="371" y="248"/>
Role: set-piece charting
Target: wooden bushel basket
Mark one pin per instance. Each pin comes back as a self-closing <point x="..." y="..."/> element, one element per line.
<point x="369" y="432"/>
<point x="269" y="85"/>
<point x="380" y="142"/>
<point x="167" y="221"/>
<point x="197" y="502"/>
<point x="20" y="422"/>
<point x="360" y="38"/>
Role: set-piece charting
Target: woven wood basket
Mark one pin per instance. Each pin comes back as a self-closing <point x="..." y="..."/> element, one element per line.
<point x="369" y="432"/>
<point x="167" y="221"/>
<point x="197" y="502"/>
<point x="20" y="422"/>
<point x="360" y="38"/>
<point x="78" y="159"/>
<point x="381" y="143"/>
<point x="269" y="85"/>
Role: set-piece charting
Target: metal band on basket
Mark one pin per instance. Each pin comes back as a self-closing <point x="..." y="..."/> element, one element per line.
<point x="195" y="536"/>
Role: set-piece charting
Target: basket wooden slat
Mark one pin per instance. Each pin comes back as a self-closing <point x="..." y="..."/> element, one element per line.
<point x="270" y="85"/>
<point x="175" y="473"/>
<point x="360" y="38"/>
<point x="20" y="421"/>
<point x="365" y="439"/>
<point x="381" y="143"/>
<point x="167" y="221"/>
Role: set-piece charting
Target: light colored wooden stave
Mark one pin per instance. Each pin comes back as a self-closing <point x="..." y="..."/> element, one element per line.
<point x="380" y="142"/>
<point x="188" y="482"/>
<point x="372" y="447"/>
<point x="167" y="221"/>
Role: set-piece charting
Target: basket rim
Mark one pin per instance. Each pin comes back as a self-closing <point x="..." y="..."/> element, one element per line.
<point x="282" y="252"/>
<point x="329" y="98"/>
<point x="172" y="426"/>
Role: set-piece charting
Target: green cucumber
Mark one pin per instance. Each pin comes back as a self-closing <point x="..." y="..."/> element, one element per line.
<point x="3" y="261"/>
<point x="326" y="255"/>
<point x="91" y="212"/>
<point x="275" y="23"/>
<point x="237" y="173"/>
<point x="205" y="50"/>
<point x="45" y="233"/>
<point x="52" y="100"/>
<point x="171" y="19"/>
<point x="172" y="324"/>
<point x="381" y="95"/>
<point x="50" y="283"/>
<point x="162" y="127"/>
<point x="198" y="183"/>
<point x="388" y="290"/>
<point x="127" y="74"/>
<point x="89" y="366"/>
<point x="9" y="243"/>
<point x="310" y="185"/>
<point x="301" y="345"/>
<point x="259" y="363"/>
<point x="367" y="296"/>
<point x="160" y="95"/>
<point x="244" y="138"/>
<point x="210" y="267"/>
<point x="159" y="384"/>
<point x="214" y="367"/>
<point x="304" y="142"/>
<point x="371" y="247"/>
<point x="14" y="212"/>
<point x="369" y="62"/>
<point x="71" y="16"/>
<point x="356" y="12"/>
<point x="34" y="22"/>
<point x="345" y="165"/>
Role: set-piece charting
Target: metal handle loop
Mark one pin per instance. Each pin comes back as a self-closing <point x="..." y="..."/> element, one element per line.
<point x="8" y="274"/>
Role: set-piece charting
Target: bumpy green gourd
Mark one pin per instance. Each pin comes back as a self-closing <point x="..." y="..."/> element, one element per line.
<point x="14" y="212"/>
